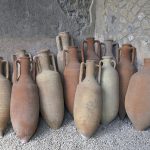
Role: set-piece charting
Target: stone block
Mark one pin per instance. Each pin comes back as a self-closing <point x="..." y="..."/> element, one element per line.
<point x="135" y="10"/>
<point x="136" y="24"/>
<point x="123" y="20"/>
<point x="141" y="16"/>
<point x="145" y="24"/>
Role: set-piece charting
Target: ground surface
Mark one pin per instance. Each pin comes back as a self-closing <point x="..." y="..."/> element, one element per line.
<point x="119" y="135"/>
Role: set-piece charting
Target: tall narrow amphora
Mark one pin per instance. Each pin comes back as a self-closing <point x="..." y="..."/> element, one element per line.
<point x="50" y="89"/>
<point x="90" y="51"/>
<point x="111" y="48"/>
<point x="5" y="95"/>
<point x="71" y="78"/>
<point x="63" y="41"/>
<point x="87" y="104"/>
<point x="24" y="108"/>
<point x="137" y="100"/>
<point x="110" y="89"/>
<point x="19" y="53"/>
<point x="126" y="69"/>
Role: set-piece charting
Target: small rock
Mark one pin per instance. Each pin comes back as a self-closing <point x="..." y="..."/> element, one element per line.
<point x="130" y="28"/>
<point x="131" y="37"/>
<point x="141" y="16"/>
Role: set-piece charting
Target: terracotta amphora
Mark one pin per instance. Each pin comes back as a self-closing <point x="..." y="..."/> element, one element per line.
<point x="5" y="95"/>
<point x="110" y="89"/>
<point x="126" y="68"/>
<point x="71" y="78"/>
<point x="87" y="104"/>
<point x="19" y="53"/>
<point x="111" y="48"/>
<point x="63" y="41"/>
<point x="137" y="100"/>
<point x="50" y="89"/>
<point x="24" y="108"/>
<point x="89" y="51"/>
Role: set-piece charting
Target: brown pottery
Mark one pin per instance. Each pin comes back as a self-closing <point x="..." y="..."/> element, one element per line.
<point x="19" y="53"/>
<point x="50" y="89"/>
<point x="24" y="108"/>
<point x="71" y="78"/>
<point x="89" y="51"/>
<point x="126" y="68"/>
<point x="137" y="101"/>
<point x="5" y="95"/>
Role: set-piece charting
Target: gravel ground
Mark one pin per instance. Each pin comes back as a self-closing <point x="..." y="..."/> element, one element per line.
<point x="119" y="135"/>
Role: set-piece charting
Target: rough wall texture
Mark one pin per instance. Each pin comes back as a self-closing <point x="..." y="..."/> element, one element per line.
<point x="26" y="18"/>
<point x="34" y="24"/>
<point x="127" y="21"/>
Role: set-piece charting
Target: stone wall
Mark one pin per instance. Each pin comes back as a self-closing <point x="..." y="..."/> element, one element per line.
<point x="33" y="25"/>
<point x="126" y="21"/>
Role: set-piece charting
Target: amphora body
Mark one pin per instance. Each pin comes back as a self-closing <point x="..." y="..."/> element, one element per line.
<point x="87" y="105"/>
<point x="126" y="69"/>
<point x="50" y="89"/>
<point x="5" y="95"/>
<point x="110" y="89"/>
<point x="24" y="109"/>
<point x="137" y="100"/>
<point x="71" y="78"/>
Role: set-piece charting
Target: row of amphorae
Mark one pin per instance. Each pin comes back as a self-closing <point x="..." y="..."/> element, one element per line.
<point x="94" y="91"/>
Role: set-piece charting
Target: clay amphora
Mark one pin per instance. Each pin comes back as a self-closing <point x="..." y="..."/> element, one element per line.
<point x="71" y="78"/>
<point x="110" y="89"/>
<point x="125" y="69"/>
<point x="19" y="53"/>
<point x="24" y="108"/>
<point x="63" y="41"/>
<point x="90" y="52"/>
<point x="137" y="100"/>
<point x="111" y="48"/>
<point x="5" y="95"/>
<point x="50" y="89"/>
<point x="87" y="104"/>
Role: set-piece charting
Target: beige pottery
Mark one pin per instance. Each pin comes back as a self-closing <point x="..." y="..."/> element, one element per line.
<point x="63" y="41"/>
<point x="50" y="89"/>
<point x="87" y="104"/>
<point x="110" y="89"/>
